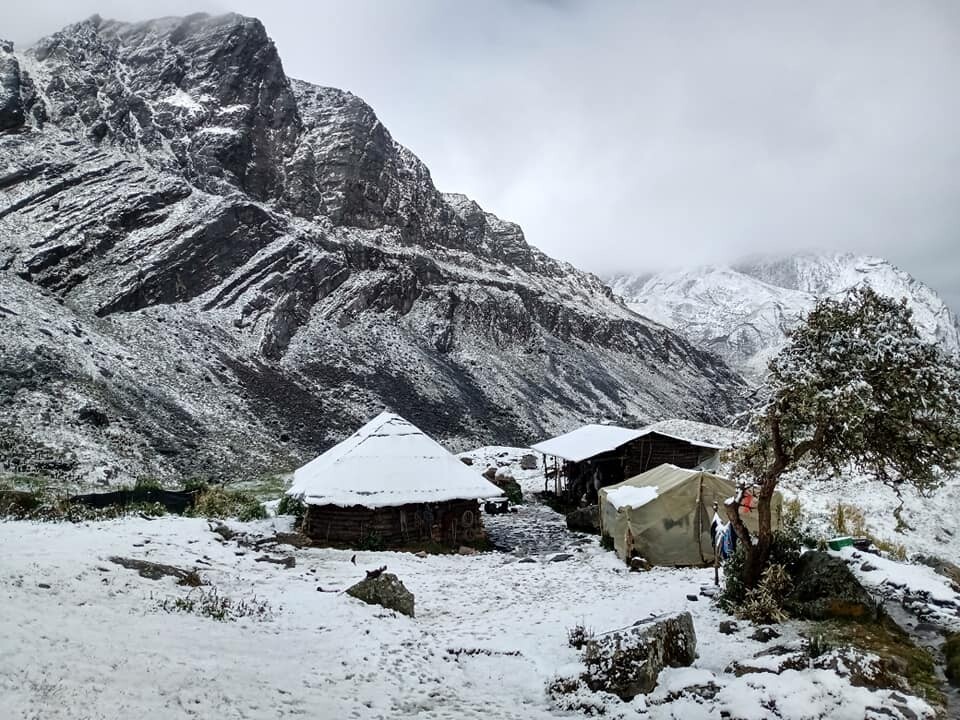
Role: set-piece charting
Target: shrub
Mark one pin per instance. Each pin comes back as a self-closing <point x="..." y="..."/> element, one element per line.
<point x="371" y="541"/>
<point x="764" y="603"/>
<point x="849" y="520"/>
<point x="734" y="588"/>
<point x="221" y="503"/>
<point x="578" y="636"/>
<point x="292" y="506"/>
<point x="195" y="484"/>
<point x="606" y="542"/>
<point x="148" y="483"/>
<point x="784" y="553"/>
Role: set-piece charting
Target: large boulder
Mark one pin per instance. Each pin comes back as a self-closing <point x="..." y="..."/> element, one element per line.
<point x="586" y="519"/>
<point x="385" y="589"/>
<point x="528" y="462"/>
<point x="824" y="588"/>
<point x="627" y="662"/>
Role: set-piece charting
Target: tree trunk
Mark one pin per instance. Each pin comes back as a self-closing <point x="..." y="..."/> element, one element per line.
<point x="757" y="553"/>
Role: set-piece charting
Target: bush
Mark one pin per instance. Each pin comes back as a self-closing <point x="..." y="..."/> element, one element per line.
<point x="578" y="636"/>
<point x="195" y="484"/>
<point x="606" y="542"/>
<point x="371" y="541"/>
<point x="785" y="553"/>
<point x="292" y="506"/>
<point x="148" y="483"/>
<point x="220" y="503"/>
<point x="764" y="603"/>
<point x="734" y="588"/>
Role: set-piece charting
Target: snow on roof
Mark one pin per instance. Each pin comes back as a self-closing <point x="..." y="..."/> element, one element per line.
<point x="587" y="441"/>
<point x="388" y="462"/>
<point x="631" y="496"/>
<point x="697" y="433"/>
<point x="591" y="440"/>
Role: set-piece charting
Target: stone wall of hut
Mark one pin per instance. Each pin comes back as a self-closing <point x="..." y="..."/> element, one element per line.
<point x="451" y="523"/>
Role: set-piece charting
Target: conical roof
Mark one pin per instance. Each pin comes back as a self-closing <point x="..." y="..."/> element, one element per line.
<point x="388" y="462"/>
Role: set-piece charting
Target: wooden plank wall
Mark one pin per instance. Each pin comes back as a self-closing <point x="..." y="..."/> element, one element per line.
<point x="451" y="523"/>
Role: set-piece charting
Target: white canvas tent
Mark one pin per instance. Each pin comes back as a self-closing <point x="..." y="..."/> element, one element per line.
<point x="388" y="462"/>
<point x="664" y="514"/>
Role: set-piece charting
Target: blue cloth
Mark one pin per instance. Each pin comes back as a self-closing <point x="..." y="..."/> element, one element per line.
<point x="728" y="542"/>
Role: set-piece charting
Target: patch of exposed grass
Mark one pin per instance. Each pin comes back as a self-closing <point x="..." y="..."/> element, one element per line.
<point x="900" y="656"/>
<point x="268" y="487"/>
<point x="218" y="502"/>
<point x="209" y="603"/>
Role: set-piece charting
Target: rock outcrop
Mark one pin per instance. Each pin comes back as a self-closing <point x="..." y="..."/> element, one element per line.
<point x="237" y="268"/>
<point x="627" y="662"/>
<point x="824" y="588"/>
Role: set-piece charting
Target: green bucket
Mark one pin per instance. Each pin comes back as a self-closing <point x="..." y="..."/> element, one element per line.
<point x="839" y="542"/>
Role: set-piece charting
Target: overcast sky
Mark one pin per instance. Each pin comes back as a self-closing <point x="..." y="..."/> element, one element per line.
<point x="637" y="136"/>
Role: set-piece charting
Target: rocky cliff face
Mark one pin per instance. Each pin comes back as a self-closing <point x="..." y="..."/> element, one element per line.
<point x="743" y="312"/>
<point x="209" y="268"/>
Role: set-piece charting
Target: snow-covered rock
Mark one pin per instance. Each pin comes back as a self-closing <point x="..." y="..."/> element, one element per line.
<point x="743" y="312"/>
<point x="236" y="269"/>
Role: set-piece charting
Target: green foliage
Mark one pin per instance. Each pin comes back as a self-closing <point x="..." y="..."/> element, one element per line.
<point x="148" y="483"/>
<point x="856" y="385"/>
<point x="209" y="603"/>
<point x="784" y="552"/>
<point x="734" y="584"/>
<point x="764" y="603"/>
<point x="856" y="388"/>
<point x="195" y="484"/>
<point x="371" y="541"/>
<point x="292" y="506"/>
<point x="221" y="503"/>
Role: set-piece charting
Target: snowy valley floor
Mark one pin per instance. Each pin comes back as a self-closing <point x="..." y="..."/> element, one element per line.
<point x="82" y="637"/>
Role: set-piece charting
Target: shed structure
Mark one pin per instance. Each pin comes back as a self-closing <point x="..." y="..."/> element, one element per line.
<point x="390" y="485"/>
<point x="665" y="514"/>
<point x="595" y="456"/>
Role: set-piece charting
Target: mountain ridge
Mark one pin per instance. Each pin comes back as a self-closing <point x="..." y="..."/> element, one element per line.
<point x="209" y="268"/>
<point x="742" y="311"/>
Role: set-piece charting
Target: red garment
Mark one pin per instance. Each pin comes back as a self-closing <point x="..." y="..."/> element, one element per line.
<point x="747" y="502"/>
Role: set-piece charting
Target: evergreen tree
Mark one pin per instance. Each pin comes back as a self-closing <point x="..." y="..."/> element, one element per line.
<point x="855" y="389"/>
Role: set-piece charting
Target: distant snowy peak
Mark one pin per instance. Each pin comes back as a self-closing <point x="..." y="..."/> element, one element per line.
<point x="742" y="312"/>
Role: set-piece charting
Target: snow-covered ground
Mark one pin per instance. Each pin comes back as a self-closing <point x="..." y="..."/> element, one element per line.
<point x="83" y="637"/>
<point x="490" y="632"/>
<point x="933" y="522"/>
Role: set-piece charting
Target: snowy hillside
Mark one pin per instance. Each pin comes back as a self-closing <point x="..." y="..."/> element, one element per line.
<point x="742" y="312"/>
<point x="209" y="268"/>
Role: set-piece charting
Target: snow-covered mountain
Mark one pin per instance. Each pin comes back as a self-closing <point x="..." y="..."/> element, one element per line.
<point x="742" y="312"/>
<point x="207" y="267"/>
